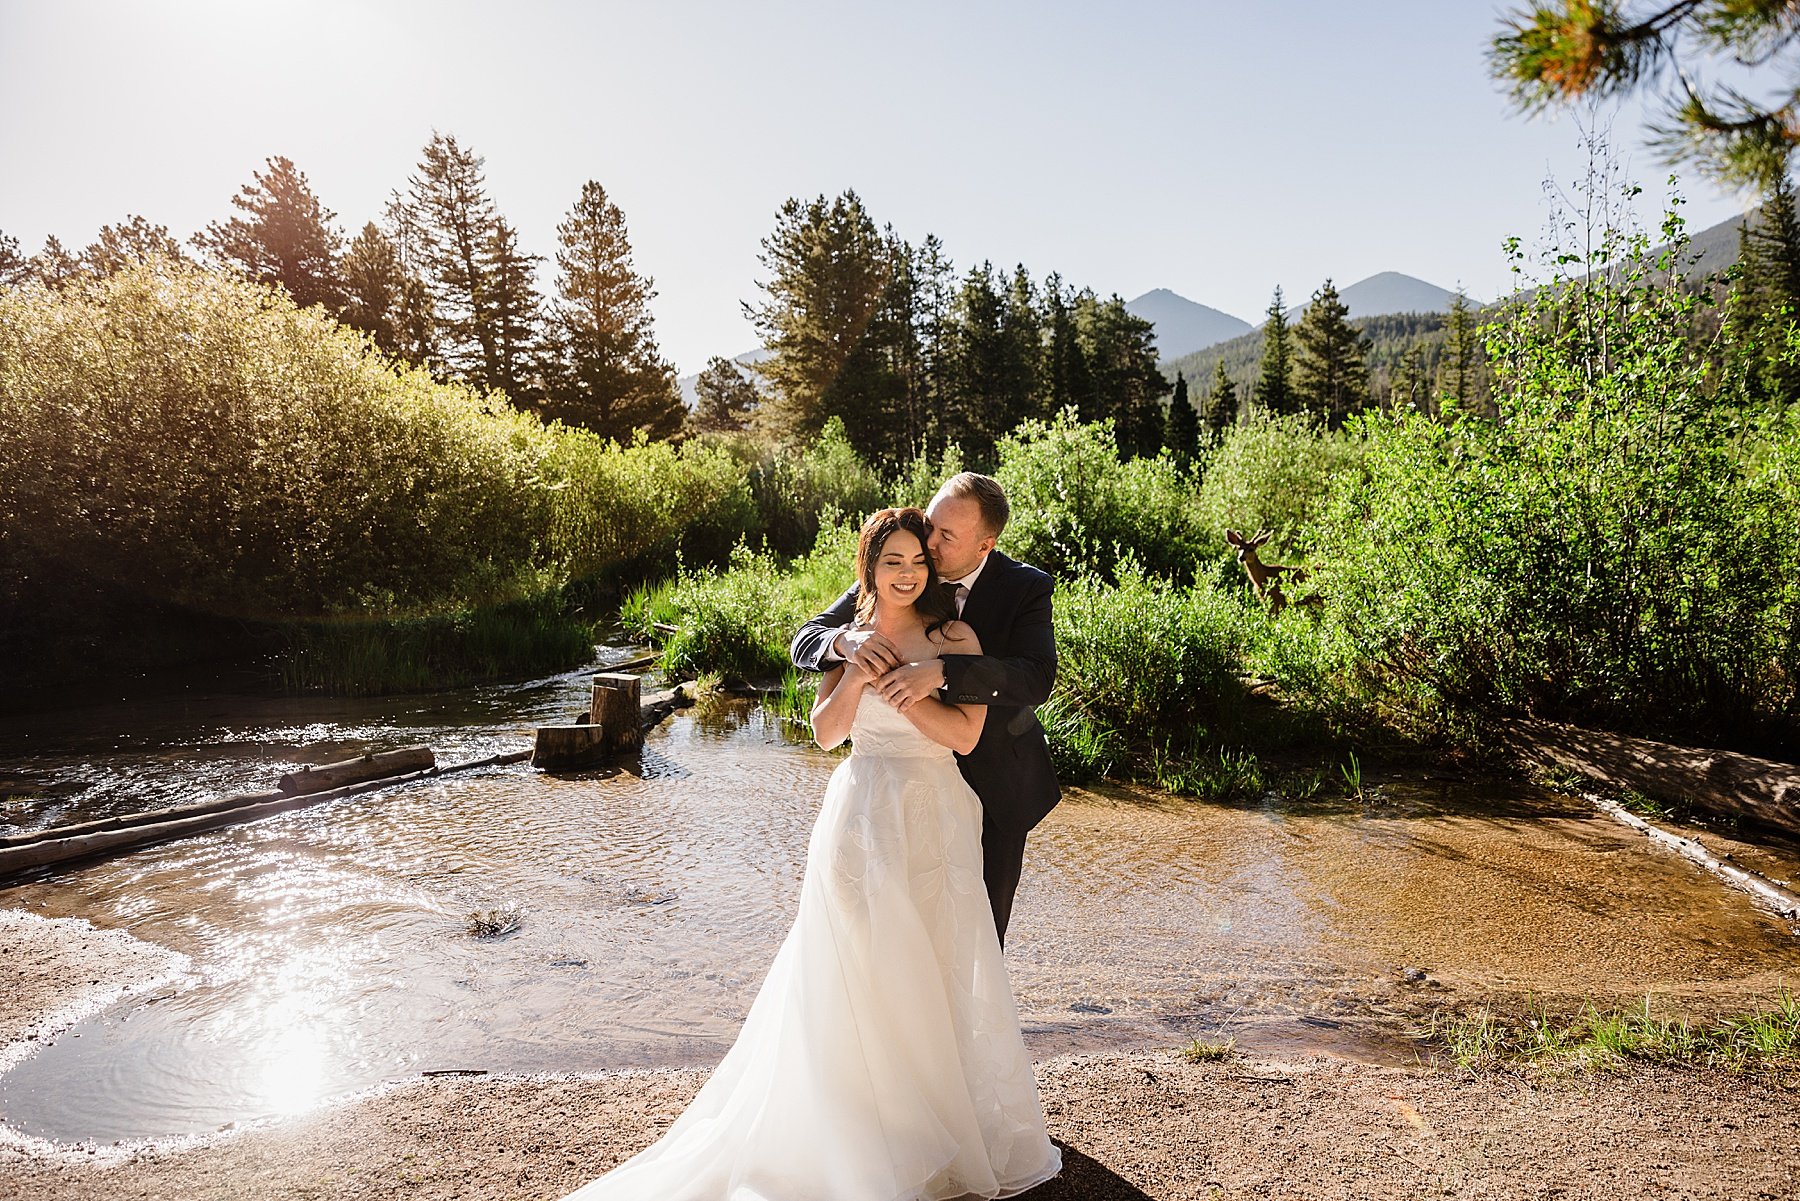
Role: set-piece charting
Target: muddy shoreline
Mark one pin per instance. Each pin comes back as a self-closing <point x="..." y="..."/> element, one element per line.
<point x="1134" y="1123"/>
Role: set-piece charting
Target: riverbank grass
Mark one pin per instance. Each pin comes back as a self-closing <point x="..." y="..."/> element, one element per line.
<point x="1593" y="1041"/>
<point x="1201" y="1051"/>
<point x="373" y="656"/>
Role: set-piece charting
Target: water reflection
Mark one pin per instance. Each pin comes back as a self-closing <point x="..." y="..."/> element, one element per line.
<point x="331" y="950"/>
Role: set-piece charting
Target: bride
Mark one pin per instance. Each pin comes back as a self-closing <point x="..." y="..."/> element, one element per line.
<point x="881" y="1060"/>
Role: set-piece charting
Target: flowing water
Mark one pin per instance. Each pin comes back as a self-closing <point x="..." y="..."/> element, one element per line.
<point x="330" y="948"/>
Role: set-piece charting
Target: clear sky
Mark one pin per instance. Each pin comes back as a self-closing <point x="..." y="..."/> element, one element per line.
<point x="1214" y="148"/>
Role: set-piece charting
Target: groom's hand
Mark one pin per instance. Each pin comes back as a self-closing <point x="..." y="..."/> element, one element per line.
<point x="868" y="652"/>
<point x="908" y="684"/>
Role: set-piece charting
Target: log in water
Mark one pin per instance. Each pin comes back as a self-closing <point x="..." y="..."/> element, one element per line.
<point x="368" y="766"/>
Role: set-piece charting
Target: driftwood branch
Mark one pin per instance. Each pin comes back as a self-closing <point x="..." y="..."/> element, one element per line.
<point x="62" y="844"/>
<point x="1784" y="902"/>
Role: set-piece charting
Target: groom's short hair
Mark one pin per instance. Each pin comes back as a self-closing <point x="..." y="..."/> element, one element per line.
<point x="987" y="494"/>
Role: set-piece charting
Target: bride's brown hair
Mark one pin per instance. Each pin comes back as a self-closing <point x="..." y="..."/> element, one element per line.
<point x="933" y="605"/>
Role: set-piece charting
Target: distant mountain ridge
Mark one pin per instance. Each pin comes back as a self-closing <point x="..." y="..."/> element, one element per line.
<point x="1182" y="325"/>
<point x="1388" y="292"/>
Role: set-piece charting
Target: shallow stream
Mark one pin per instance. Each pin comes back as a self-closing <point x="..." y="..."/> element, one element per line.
<point x="330" y="950"/>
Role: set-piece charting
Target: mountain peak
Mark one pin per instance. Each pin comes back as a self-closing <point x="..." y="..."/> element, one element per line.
<point x="1182" y="325"/>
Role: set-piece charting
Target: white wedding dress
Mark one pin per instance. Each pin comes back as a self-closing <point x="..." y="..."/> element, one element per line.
<point x="881" y="1060"/>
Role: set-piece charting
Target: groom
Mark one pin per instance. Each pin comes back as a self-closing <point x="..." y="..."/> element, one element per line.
<point x="1008" y="605"/>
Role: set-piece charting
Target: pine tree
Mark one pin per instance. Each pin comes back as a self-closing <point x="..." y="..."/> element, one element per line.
<point x="1221" y="402"/>
<point x="476" y="279"/>
<point x="373" y="281"/>
<point x="134" y="240"/>
<point x="1022" y="330"/>
<point x="15" y="268"/>
<point x="1120" y="350"/>
<point x="828" y="271"/>
<point x="1407" y="386"/>
<point x="1070" y="385"/>
<point x="286" y="237"/>
<point x="1459" y="375"/>
<point x="727" y="398"/>
<point x="414" y="318"/>
<point x="977" y="364"/>
<point x="1274" y="388"/>
<point x="1331" y="373"/>
<point x="608" y="374"/>
<point x="1181" y="427"/>
<point x="514" y="307"/>
<point x="1765" y="304"/>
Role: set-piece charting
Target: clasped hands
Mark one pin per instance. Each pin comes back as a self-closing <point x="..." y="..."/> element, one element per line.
<point x="883" y="668"/>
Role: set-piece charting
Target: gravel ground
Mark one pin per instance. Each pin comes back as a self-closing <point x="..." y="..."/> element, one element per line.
<point x="1134" y="1125"/>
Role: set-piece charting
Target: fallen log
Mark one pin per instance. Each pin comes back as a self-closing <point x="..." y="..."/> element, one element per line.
<point x="66" y="843"/>
<point x="369" y="765"/>
<point x="1719" y="782"/>
<point x="1783" y="901"/>
<point x="409" y="762"/>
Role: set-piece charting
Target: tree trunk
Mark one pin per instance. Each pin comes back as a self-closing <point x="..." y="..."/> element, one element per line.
<point x="1721" y="782"/>
<point x="560" y="747"/>
<point x="618" y="712"/>
<point x="367" y="766"/>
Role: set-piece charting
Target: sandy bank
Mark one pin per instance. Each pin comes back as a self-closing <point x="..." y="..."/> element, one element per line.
<point x="1133" y="1125"/>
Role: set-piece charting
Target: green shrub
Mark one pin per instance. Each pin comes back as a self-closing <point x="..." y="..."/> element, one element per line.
<point x="196" y="439"/>
<point x="1141" y="667"/>
<point x="180" y="441"/>
<point x="1272" y="473"/>
<point x="1599" y="554"/>
<point x="793" y="488"/>
<point x="740" y="621"/>
<point x="1077" y="509"/>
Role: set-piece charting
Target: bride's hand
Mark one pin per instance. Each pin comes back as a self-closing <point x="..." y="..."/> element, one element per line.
<point x="910" y="683"/>
<point x="871" y="654"/>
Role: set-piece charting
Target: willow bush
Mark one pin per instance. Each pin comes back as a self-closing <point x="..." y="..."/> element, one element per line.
<point x="176" y="438"/>
<point x="1275" y="473"/>
<point x="1077" y="508"/>
<point x="1607" y="552"/>
<point x="1144" y="671"/>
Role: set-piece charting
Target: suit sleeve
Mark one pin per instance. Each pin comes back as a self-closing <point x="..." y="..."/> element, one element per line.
<point x="1024" y="677"/>
<point x="814" y="639"/>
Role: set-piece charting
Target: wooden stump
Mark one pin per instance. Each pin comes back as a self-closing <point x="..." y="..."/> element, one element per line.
<point x="617" y="711"/>
<point x="568" y="746"/>
<point x="370" y="766"/>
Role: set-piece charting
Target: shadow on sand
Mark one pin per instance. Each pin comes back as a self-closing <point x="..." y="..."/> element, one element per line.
<point x="1085" y="1179"/>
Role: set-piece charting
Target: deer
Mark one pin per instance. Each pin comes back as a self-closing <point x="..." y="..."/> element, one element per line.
<point x="1266" y="577"/>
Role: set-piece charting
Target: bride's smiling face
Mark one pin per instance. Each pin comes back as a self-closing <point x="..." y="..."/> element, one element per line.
<point x="903" y="569"/>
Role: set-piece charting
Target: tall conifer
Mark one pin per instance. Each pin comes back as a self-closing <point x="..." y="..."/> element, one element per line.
<point x="285" y="236"/>
<point x="1181" y="426"/>
<point x="1274" y="388"/>
<point x="1766" y="301"/>
<point x="450" y="233"/>
<point x="828" y="269"/>
<point x="1331" y="374"/>
<point x="608" y="374"/>
<point x="1221" y="402"/>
